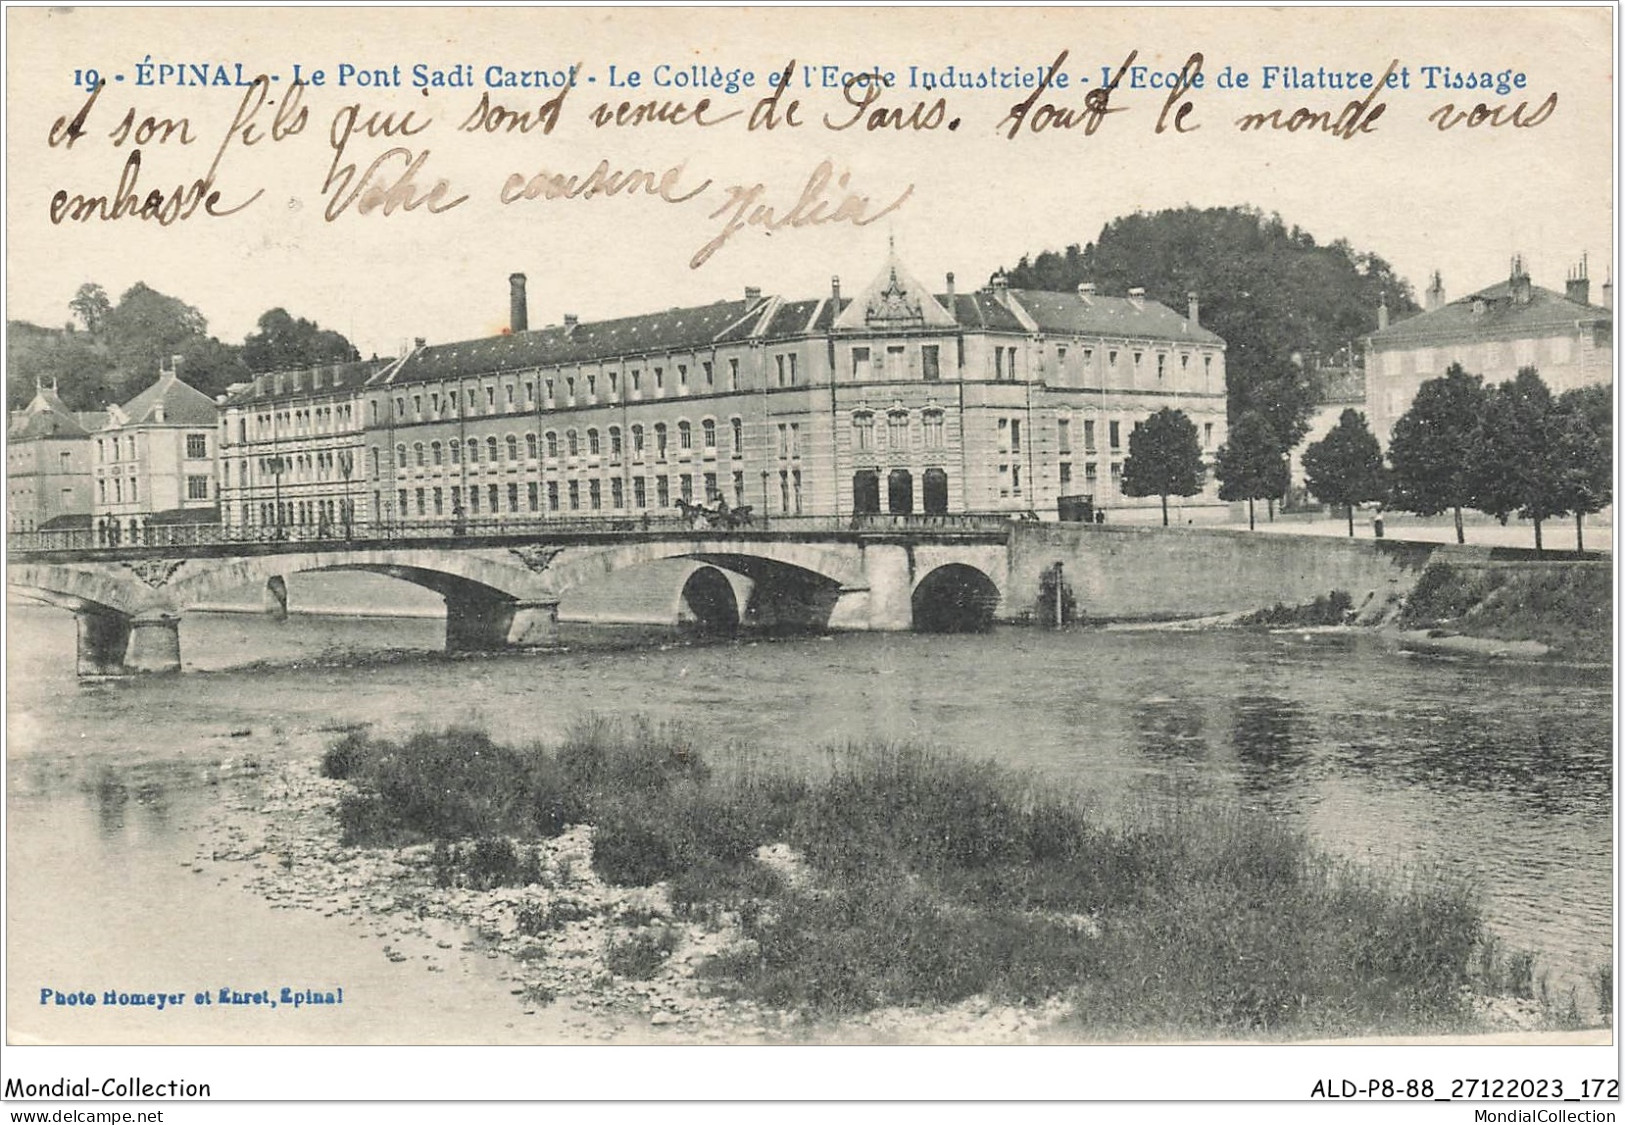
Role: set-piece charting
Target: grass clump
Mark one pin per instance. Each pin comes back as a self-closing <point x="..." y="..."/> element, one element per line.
<point x="898" y="875"/>
<point x="1336" y="608"/>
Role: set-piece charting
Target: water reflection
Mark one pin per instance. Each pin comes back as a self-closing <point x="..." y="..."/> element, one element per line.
<point x="1270" y="738"/>
<point x="1170" y="730"/>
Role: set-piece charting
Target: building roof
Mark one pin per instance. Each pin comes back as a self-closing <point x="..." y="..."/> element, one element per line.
<point x="304" y="381"/>
<point x="1493" y="312"/>
<point x="46" y="416"/>
<point x="1092" y="315"/>
<point x="674" y="330"/>
<point x="169" y="401"/>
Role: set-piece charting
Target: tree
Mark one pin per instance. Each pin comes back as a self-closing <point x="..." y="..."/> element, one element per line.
<point x="147" y="327"/>
<point x="1585" y="437"/>
<point x="91" y="305"/>
<point x="1345" y="467"/>
<point x="1252" y="464"/>
<point x="1517" y="461"/>
<point x="1268" y="288"/>
<point x="283" y="343"/>
<point x="1434" y="446"/>
<point x="1164" y="458"/>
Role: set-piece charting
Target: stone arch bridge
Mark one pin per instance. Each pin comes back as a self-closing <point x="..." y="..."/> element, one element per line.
<point x="505" y="593"/>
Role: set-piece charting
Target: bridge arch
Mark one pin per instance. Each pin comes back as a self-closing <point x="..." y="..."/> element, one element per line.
<point x="954" y="598"/>
<point x="707" y="604"/>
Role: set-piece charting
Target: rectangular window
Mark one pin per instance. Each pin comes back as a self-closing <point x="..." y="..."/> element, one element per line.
<point x="1015" y="435"/>
<point x="795" y="440"/>
<point x="784" y="441"/>
<point x="513" y="497"/>
<point x="595" y="494"/>
<point x="197" y="446"/>
<point x="779" y="361"/>
<point x="552" y="495"/>
<point x="686" y="485"/>
<point x="1090" y="473"/>
<point x="663" y="492"/>
<point x="617" y="493"/>
<point x="439" y="501"/>
<point x="1207" y="435"/>
<point x="860" y="364"/>
<point x="682" y="376"/>
<point x="711" y="493"/>
<point x="575" y="495"/>
<point x="1063" y="435"/>
<point x="197" y="488"/>
<point x="998" y="364"/>
<point x="1088" y="436"/>
<point x="710" y="373"/>
<point x="739" y="489"/>
<point x="733" y="374"/>
<point x="530" y="497"/>
<point x="1115" y="432"/>
<point x="1066" y="474"/>
<point x="640" y="493"/>
<point x="401" y="503"/>
<point x="896" y="362"/>
<point x="930" y="363"/>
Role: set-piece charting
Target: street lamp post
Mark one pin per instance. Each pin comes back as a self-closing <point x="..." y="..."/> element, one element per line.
<point x="346" y="466"/>
<point x="278" y="465"/>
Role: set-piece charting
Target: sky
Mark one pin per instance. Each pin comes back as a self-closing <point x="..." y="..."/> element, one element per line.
<point x="966" y="200"/>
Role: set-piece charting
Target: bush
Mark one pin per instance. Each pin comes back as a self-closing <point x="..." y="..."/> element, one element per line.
<point x="642" y="955"/>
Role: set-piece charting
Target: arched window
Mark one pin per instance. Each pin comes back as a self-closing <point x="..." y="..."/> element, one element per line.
<point x="685" y="436"/>
<point x="615" y="442"/>
<point x="491" y="450"/>
<point x="435" y="452"/>
<point x="417" y="455"/>
<point x="572" y="444"/>
<point x="935" y="486"/>
<point x="738" y="436"/>
<point x="400" y="456"/>
<point x="552" y="444"/>
<point x="375" y="461"/>
<point x="530" y="447"/>
<point x="660" y="441"/>
<point x="513" y="448"/>
<point x="931" y="423"/>
<point x="708" y="434"/>
<point x="456" y="448"/>
<point x="637" y="443"/>
<point x="473" y="451"/>
<point x="592" y="441"/>
<point x="863" y="432"/>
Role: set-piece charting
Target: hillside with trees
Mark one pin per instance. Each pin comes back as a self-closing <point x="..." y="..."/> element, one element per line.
<point x="110" y="352"/>
<point x="1271" y="290"/>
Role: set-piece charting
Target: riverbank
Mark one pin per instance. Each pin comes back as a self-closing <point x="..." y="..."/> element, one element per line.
<point x="1560" y="610"/>
<point x="929" y="929"/>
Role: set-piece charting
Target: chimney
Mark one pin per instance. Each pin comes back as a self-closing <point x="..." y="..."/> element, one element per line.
<point x="1518" y="285"/>
<point x="1001" y="288"/>
<point x="1382" y="312"/>
<point x="950" y="289"/>
<point x="1192" y="308"/>
<point x="752" y="294"/>
<point x="518" y="312"/>
<point x="1435" y="293"/>
<point x="1578" y="289"/>
<point x="835" y="290"/>
<point x="570" y="322"/>
<point x="1086" y="290"/>
<point x="418" y="342"/>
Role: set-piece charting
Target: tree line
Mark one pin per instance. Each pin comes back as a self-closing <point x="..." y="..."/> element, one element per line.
<point x="110" y="352"/>
<point x="1511" y="449"/>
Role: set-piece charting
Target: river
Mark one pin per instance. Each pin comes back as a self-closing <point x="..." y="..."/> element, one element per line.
<point x="1501" y="773"/>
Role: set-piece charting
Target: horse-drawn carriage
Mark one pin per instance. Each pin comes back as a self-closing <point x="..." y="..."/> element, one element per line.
<point x="702" y="518"/>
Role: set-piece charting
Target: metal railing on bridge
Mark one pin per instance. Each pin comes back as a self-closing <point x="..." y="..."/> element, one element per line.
<point x="213" y="535"/>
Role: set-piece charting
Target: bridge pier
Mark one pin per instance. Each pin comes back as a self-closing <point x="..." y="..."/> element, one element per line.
<point x="155" y="644"/>
<point x="486" y="624"/>
<point x="885" y="604"/>
<point x="275" y="598"/>
<point x="103" y="640"/>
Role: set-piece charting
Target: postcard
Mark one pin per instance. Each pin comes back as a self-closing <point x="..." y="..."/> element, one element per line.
<point x="1078" y="535"/>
